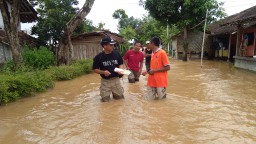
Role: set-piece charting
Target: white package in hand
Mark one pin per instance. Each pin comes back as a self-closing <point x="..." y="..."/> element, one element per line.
<point x="126" y="72"/>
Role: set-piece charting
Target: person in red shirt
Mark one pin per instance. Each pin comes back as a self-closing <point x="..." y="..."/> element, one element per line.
<point x="158" y="75"/>
<point x="133" y="60"/>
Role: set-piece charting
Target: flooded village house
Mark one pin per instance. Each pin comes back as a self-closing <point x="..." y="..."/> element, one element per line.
<point x="27" y="15"/>
<point x="87" y="45"/>
<point x="234" y="39"/>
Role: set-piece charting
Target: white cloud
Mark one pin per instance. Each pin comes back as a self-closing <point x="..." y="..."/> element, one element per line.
<point x="102" y="10"/>
<point x="236" y="6"/>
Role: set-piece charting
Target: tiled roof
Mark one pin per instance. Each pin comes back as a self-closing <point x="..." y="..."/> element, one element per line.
<point x="24" y="39"/>
<point x="245" y="18"/>
<point x="116" y="37"/>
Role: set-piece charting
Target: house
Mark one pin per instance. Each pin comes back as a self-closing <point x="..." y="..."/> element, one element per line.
<point x="234" y="38"/>
<point x="195" y="39"/>
<point x="27" y="15"/>
<point x="87" y="45"/>
<point x="5" y="52"/>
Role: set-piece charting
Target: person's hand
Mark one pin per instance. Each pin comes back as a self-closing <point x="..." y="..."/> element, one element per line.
<point x="151" y="72"/>
<point x="106" y="73"/>
<point x="140" y="71"/>
<point x="144" y="73"/>
<point x="120" y="73"/>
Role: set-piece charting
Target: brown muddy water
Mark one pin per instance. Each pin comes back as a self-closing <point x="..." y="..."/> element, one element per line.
<point x="209" y="105"/>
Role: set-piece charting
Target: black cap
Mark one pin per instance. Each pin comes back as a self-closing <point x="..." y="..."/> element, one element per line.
<point x="107" y="40"/>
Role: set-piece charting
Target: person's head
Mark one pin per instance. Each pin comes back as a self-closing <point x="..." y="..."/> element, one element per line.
<point x="137" y="46"/>
<point x="108" y="44"/>
<point x="154" y="42"/>
<point x="147" y="43"/>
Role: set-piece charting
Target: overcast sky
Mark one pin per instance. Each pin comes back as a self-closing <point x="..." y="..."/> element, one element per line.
<point x="102" y="10"/>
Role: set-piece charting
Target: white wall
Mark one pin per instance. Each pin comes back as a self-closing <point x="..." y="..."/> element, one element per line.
<point x="1" y="21"/>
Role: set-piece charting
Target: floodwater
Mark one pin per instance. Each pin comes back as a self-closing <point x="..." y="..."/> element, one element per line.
<point x="213" y="104"/>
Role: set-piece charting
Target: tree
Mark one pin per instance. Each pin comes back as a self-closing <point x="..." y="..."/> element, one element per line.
<point x="125" y="21"/>
<point x="100" y="26"/>
<point x="65" y="48"/>
<point x="11" y="26"/>
<point x="86" y="26"/>
<point x="128" y="33"/>
<point x="141" y="29"/>
<point x="185" y="14"/>
<point x="122" y="18"/>
<point x="53" y="16"/>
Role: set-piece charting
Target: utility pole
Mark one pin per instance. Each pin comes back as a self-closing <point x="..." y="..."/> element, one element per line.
<point x="202" y="52"/>
<point x="168" y="48"/>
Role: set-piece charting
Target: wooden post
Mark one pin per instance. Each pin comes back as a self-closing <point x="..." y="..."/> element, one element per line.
<point x="229" y="46"/>
<point x="238" y="40"/>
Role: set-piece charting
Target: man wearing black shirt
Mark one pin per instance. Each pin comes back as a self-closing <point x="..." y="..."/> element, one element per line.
<point x="104" y="64"/>
<point x="147" y="55"/>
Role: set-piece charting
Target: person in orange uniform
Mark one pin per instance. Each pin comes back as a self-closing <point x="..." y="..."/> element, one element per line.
<point x="158" y="72"/>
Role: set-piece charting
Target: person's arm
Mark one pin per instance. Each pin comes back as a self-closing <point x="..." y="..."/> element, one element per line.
<point x="126" y="64"/>
<point x="96" y="66"/>
<point x="104" y="72"/>
<point x="166" y="64"/>
<point x="121" y="66"/>
<point x="125" y="60"/>
<point x="165" y="68"/>
<point x="146" y="54"/>
<point x="141" y="65"/>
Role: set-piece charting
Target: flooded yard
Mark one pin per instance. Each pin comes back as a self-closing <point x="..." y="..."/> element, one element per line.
<point x="213" y="104"/>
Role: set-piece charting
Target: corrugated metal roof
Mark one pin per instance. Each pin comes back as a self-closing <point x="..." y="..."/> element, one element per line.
<point x="27" y="12"/>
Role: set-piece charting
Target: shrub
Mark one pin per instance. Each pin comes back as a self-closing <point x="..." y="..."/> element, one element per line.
<point x="10" y="67"/>
<point x="71" y="71"/>
<point x="19" y="85"/>
<point x="39" y="59"/>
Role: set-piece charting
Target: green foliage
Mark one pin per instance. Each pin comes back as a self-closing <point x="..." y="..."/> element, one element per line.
<point x="125" y="21"/>
<point x="100" y="26"/>
<point x="86" y="26"/>
<point x="123" y="48"/>
<point x="128" y="33"/>
<point x="10" y="67"/>
<point x="143" y="29"/>
<point x="13" y="87"/>
<point x="184" y="13"/>
<point x="150" y="27"/>
<point x="20" y="84"/>
<point x="38" y="59"/>
<point x="53" y="17"/>
<point x="67" y="72"/>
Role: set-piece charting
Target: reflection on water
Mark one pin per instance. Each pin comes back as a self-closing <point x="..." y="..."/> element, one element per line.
<point x="212" y="104"/>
